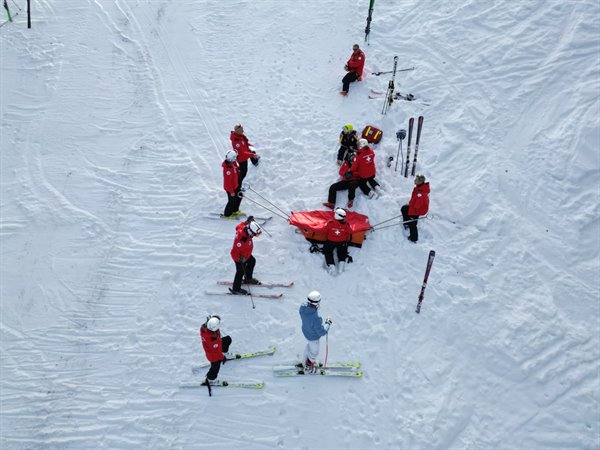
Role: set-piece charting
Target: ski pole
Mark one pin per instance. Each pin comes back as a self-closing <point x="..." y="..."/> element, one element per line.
<point x="425" y="278"/>
<point x="399" y="223"/>
<point x="326" y="350"/>
<point x="241" y="194"/>
<point x="400" y="135"/>
<point x="390" y="71"/>
<point x="270" y="203"/>
<point x="246" y="278"/>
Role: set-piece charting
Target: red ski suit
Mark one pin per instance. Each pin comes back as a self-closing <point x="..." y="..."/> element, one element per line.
<point x="242" y="244"/>
<point x="338" y="231"/>
<point x="345" y="168"/>
<point x="212" y="343"/>
<point x="356" y="63"/>
<point x="240" y="144"/>
<point x="231" y="176"/>
<point x="365" y="163"/>
<point x="419" y="200"/>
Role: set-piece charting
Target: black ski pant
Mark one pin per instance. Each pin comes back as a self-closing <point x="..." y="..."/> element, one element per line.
<point x="364" y="184"/>
<point x="213" y="372"/>
<point x="343" y="153"/>
<point x="350" y="77"/>
<point x="243" y="270"/>
<point x="243" y="171"/>
<point x="233" y="202"/>
<point x="342" y="186"/>
<point x="330" y="246"/>
<point x="412" y="226"/>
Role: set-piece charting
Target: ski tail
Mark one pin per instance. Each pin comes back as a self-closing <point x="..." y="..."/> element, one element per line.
<point x="417" y="142"/>
<point x="411" y="122"/>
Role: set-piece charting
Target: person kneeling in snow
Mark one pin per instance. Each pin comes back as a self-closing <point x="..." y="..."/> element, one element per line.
<point x="339" y="234"/>
<point x="417" y="206"/>
<point x="241" y="253"/>
<point x="312" y="329"/>
<point x="215" y="347"/>
<point x="365" y="168"/>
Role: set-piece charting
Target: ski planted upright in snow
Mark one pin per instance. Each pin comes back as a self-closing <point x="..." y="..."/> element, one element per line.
<point x="411" y="122"/>
<point x="419" y="126"/>
<point x="389" y="97"/>
<point x="268" y="284"/>
<point x="244" y="295"/>
<point x="197" y="369"/>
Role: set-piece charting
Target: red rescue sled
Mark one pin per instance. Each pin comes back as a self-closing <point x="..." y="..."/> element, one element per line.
<point x="312" y="225"/>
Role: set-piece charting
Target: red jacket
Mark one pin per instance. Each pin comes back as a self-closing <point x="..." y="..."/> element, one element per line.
<point x="419" y="200"/>
<point x="345" y="167"/>
<point x="212" y="343"/>
<point x="242" y="244"/>
<point x="240" y="144"/>
<point x="231" y="176"/>
<point x="338" y="231"/>
<point x="356" y="63"/>
<point x="365" y="163"/>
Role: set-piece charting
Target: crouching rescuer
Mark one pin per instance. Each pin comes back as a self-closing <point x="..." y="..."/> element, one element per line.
<point x="339" y="233"/>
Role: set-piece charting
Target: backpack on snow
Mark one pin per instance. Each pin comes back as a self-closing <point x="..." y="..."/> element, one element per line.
<point x="372" y="135"/>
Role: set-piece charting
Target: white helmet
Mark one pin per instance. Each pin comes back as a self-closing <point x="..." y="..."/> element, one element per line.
<point x="254" y="229"/>
<point x="339" y="214"/>
<point x="231" y="155"/>
<point x="362" y="143"/>
<point x="213" y="322"/>
<point x="314" y="297"/>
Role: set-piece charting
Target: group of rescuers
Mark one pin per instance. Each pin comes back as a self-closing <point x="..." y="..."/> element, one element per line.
<point x="357" y="170"/>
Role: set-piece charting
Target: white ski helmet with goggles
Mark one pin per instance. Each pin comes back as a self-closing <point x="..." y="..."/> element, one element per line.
<point x="213" y="322"/>
<point x="231" y="155"/>
<point x="362" y="143"/>
<point x="314" y="298"/>
<point x="254" y="229"/>
<point x="339" y="214"/>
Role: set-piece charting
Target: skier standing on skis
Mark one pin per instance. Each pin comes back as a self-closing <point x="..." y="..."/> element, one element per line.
<point x="348" y="143"/>
<point x="354" y="67"/>
<point x="215" y="346"/>
<point x="313" y="329"/>
<point x="349" y="179"/>
<point x="244" y="149"/>
<point x="241" y="253"/>
<point x="417" y="206"/>
<point x="232" y="185"/>
<point x="366" y="169"/>
<point x="339" y="233"/>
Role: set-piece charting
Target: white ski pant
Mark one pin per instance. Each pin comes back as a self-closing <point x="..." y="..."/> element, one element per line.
<point x="311" y="351"/>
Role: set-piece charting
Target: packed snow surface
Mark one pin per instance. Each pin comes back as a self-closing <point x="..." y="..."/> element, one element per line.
<point x="115" y="118"/>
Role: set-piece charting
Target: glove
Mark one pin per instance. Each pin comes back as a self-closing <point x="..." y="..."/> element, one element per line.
<point x="328" y="321"/>
<point x="255" y="160"/>
<point x="359" y="78"/>
<point x="348" y="175"/>
<point x="346" y="67"/>
<point x="242" y="259"/>
<point x="339" y="162"/>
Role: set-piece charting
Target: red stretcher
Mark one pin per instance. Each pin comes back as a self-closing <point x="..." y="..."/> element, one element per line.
<point x="312" y="225"/>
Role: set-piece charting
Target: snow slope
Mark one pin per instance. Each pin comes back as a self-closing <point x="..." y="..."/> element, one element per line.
<point x="115" y="117"/>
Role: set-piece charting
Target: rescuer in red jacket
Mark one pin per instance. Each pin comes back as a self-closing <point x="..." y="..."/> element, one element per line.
<point x="417" y="206"/>
<point x="244" y="149"/>
<point x="232" y="185"/>
<point x="349" y="181"/>
<point x="241" y="253"/>
<point x="364" y="165"/>
<point x="215" y="346"/>
<point x="354" y="67"/>
<point x="339" y="234"/>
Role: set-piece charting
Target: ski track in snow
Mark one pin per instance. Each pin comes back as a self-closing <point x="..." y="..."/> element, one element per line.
<point x="115" y="118"/>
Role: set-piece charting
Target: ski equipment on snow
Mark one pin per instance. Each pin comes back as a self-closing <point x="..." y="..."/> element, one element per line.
<point x="419" y="126"/>
<point x="296" y="372"/>
<point x="390" y="71"/>
<point x="267" y="284"/>
<point x="242" y="295"/>
<point x="338" y="365"/>
<point x="411" y="122"/>
<point x="425" y="278"/>
<point x="224" y="383"/>
<point x="400" y="135"/>
<point x="197" y="369"/>
<point x="369" y="18"/>
<point x="389" y="98"/>
<point x="10" y="17"/>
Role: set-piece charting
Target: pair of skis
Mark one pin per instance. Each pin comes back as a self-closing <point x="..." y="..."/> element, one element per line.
<point x="411" y="122"/>
<point x="286" y="284"/>
<point x="389" y="96"/>
<point x="261" y="220"/>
